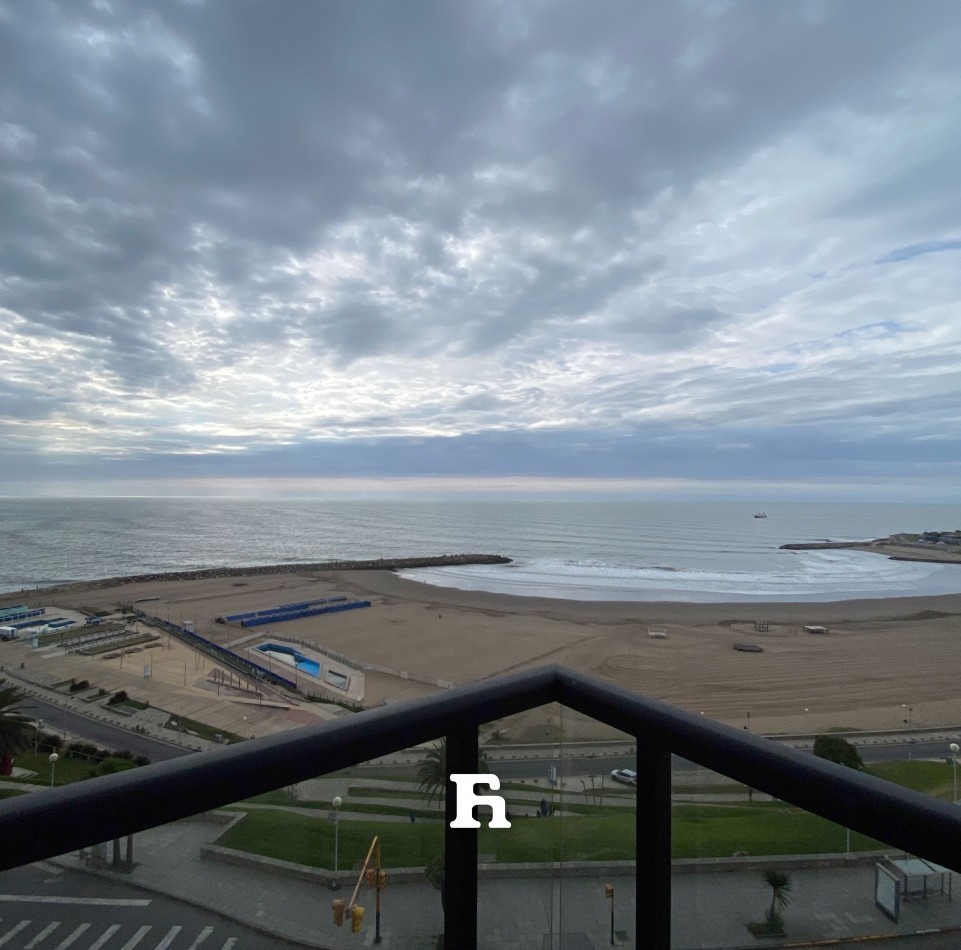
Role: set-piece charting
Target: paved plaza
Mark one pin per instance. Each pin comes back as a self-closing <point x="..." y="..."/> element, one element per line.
<point x="567" y="913"/>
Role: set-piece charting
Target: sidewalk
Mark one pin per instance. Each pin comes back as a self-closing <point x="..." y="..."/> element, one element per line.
<point x="709" y="910"/>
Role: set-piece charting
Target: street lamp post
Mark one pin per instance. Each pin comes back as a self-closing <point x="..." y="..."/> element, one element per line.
<point x="609" y="894"/>
<point x="36" y="736"/>
<point x="337" y="802"/>
<point x="954" y="765"/>
<point x="53" y="765"/>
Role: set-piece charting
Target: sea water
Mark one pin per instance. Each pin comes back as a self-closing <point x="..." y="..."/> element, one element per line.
<point x="614" y="549"/>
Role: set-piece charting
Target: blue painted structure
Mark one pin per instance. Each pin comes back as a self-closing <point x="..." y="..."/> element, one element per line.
<point x="303" y="612"/>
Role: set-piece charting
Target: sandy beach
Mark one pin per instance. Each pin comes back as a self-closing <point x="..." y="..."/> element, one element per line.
<point x="884" y="664"/>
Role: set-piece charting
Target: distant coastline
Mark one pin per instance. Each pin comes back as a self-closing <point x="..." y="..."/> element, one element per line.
<point x="939" y="547"/>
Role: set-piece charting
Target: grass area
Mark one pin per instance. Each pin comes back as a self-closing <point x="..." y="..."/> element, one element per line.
<point x="932" y="778"/>
<point x="67" y="770"/>
<point x="699" y="831"/>
<point x="709" y="831"/>
<point x="10" y="792"/>
<point x="311" y="841"/>
<point x="195" y="728"/>
<point x="128" y="703"/>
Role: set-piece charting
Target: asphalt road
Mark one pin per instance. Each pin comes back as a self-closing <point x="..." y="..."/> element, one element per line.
<point x="44" y="907"/>
<point x="57" y="719"/>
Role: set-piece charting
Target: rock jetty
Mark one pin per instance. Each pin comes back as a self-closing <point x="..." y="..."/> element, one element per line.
<point x="939" y="547"/>
<point x="380" y="564"/>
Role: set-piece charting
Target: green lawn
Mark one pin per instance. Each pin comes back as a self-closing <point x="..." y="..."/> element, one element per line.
<point x="698" y="831"/>
<point x="67" y="770"/>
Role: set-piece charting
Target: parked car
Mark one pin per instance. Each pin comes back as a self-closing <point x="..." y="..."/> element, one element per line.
<point x="626" y="776"/>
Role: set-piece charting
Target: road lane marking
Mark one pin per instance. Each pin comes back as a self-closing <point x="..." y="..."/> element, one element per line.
<point x="105" y="936"/>
<point x="10" y="934"/>
<point x="92" y="901"/>
<point x="204" y="934"/>
<point x="231" y="942"/>
<point x="76" y="935"/>
<point x="169" y="939"/>
<point x="136" y="938"/>
<point x="49" y="929"/>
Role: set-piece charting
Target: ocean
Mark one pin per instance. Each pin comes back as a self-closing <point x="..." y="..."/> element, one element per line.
<point x="617" y="549"/>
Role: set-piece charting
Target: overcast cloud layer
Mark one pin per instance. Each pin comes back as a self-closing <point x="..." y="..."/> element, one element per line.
<point x="630" y="240"/>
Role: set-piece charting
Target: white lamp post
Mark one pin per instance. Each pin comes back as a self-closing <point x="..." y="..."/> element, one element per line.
<point x="954" y="765"/>
<point x="53" y="765"/>
<point x="337" y="802"/>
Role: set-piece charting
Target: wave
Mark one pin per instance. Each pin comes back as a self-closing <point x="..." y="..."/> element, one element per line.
<point x="815" y="576"/>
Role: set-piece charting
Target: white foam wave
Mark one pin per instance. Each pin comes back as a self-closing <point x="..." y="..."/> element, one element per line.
<point x="816" y="576"/>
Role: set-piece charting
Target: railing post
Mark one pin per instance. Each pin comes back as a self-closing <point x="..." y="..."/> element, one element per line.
<point x="460" y="849"/>
<point x="653" y="894"/>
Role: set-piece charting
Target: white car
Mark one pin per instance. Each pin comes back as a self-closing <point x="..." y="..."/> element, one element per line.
<point x="627" y="776"/>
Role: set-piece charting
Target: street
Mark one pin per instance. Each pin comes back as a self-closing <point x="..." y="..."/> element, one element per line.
<point x="43" y="907"/>
<point x="58" y="719"/>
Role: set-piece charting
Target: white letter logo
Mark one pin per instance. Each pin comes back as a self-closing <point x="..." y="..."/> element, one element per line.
<point x="467" y="799"/>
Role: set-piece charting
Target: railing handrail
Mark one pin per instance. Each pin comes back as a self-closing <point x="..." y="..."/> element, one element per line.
<point x="54" y="821"/>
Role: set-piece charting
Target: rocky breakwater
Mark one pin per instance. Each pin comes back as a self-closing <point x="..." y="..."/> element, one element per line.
<point x="896" y="547"/>
<point x="379" y="564"/>
<point x="822" y="545"/>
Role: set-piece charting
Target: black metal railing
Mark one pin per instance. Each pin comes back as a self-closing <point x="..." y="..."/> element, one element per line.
<point x="55" y="821"/>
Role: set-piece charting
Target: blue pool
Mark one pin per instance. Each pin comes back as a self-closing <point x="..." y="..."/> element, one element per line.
<point x="291" y="656"/>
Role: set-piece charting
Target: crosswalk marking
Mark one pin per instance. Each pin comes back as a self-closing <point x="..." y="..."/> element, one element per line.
<point x="42" y="938"/>
<point x="136" y="938"/>
<point x="203" y="935"/>
<point x="92" y="901"/>
<point x="76" y="935"/>
<point x="10" y="934"/>
<point x="169" y="939"/>
<point x="49" y="929"/>
<point x="105" y="936"/>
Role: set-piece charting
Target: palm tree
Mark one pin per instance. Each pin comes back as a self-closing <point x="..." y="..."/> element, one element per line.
<point x="780" y="884"/>
<point x="432" y="772"/>
<point x="16" y="731"/>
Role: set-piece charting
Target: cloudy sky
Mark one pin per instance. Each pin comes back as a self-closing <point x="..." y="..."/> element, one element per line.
<point x="667" y="241"/>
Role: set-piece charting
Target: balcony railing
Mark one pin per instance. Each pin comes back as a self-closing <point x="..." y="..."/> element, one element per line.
<point x="54" y="821"/>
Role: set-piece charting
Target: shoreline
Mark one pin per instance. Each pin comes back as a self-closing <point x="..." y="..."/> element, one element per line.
<point x="881" y="657"/>
<point x="892" y="549"/>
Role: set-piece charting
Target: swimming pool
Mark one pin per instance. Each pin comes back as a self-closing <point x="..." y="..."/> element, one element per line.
<point x="292" y="657"/>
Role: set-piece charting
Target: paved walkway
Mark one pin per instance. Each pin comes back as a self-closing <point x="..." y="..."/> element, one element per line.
<point x="709" y="910"/>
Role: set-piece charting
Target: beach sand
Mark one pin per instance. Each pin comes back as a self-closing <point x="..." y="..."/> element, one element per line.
<point x="882" y="662"/>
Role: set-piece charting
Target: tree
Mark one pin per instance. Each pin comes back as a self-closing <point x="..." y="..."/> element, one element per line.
<point x="780" y="884"/>
<point x="16" y="729"/>
<point x="432" y="771"/>
<point x="773" y="923"/>
<point x="836" y="749"/>
<point x="434" y="871"/>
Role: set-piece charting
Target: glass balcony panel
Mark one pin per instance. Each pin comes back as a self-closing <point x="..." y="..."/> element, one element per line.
<point x="263" y="871"/>
<point x="542" y="882"/>
<point x="748" y="867"/>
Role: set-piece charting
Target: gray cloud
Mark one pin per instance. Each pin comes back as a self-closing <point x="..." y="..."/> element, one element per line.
<point x="239" y="230"/>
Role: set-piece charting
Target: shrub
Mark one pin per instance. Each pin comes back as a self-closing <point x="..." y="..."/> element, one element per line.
<point x="836" y="749"/>
<point x="119" y="697"/>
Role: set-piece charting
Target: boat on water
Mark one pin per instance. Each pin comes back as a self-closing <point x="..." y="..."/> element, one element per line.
<point x="760" y="514"/>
